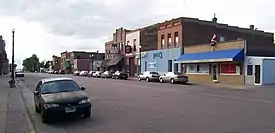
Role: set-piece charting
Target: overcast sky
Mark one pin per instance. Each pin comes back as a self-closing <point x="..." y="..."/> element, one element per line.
<point x="49" y="27"/>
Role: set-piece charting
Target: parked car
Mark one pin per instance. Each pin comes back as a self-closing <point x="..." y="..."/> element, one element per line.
<point x="76" y="73"/>
<point x="19" y="74"/>
<point x="90" y="74"/>
<point x="56" y="96"/>
<point x="120" y="75"/>
<point x="61" y="72"/>
<point x="51" y="72"/>
<point x="173" y="77"/>
<point x="83" y="73"/>
<point x="97" y="74"/>
<point x="107" y="74"/>
<point x="149" y="76"/>
<point x="56" y="72"/>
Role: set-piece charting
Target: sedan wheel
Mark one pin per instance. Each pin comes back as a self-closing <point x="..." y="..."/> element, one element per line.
<point x="87" y="113"/>
<point x="172" y="81"/>
<point x="139" y="79"/>
<point x="44" y="117"/>
<point x="161" y="80"/>
<point x="147" y="79"/>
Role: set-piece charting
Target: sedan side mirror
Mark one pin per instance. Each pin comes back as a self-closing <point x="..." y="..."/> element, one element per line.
<point x="164" y="74"/>
<point x="36" y="92"/>
<point x="83" y="88"/>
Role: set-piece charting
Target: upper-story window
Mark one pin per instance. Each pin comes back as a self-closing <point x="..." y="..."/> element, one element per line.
<point x="169" y="40"/>
<point x="162" y="42"/>
<point x="176" y="41"/>
<point x="128" y="42"/>
<point x="134" y="44"/>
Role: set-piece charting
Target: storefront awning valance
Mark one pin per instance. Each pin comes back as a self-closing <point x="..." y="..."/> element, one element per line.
<point x="115" y="60"/>
<point x="212" y="56"/>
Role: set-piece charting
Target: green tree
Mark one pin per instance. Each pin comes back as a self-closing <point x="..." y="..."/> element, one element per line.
<point x="47" y="64"/>
<point x="32" y="63"/>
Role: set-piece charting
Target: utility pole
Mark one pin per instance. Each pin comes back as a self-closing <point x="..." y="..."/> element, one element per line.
<point x="139" y="59"/>
<point x="12" y="81"/>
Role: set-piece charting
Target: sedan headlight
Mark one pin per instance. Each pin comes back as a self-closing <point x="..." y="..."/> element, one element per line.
<point x="51" y="105"/>
<point x="85" y="101"/>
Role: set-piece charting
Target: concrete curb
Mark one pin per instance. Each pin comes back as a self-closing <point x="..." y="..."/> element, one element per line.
<point x="27" y="113"/>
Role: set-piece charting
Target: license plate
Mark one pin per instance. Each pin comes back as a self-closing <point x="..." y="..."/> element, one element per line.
<point x="70" y="109"/>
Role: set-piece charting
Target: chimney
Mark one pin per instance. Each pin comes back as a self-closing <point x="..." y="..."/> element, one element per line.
<point x="251" y="27"/>
<point x="214" y="20"/>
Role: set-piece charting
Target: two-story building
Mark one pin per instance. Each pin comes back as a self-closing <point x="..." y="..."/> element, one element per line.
<point x="56" y="63"/>
<point x="143" y="39"/>
<point x="114" y="51"/>
<point x="189" y="32"/>
<point x="79" y="60"/>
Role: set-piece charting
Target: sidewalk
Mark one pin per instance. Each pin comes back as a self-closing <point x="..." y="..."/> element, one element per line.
<point x="12" y="109"/>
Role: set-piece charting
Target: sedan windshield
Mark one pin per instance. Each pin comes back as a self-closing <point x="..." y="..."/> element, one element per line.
<point x="156" y="73"/>
<point x="176" y="73"/>
<point x="59" y="86"/>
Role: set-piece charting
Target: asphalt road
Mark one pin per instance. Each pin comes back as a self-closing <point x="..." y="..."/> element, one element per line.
<point x="121" y="106"/>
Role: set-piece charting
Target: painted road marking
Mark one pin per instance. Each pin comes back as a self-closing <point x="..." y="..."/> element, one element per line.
<point x="239" y="98"/>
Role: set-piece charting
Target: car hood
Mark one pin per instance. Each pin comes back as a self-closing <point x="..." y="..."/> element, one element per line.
<point x="64" y="97"/>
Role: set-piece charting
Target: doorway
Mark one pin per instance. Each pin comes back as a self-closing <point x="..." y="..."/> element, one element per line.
<point x="257" y="74"/>
<point x="215" y="72"/>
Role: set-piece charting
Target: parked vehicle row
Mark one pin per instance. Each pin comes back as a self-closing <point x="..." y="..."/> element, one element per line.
<point x="56" y="72"/>
<point x="99" y="74"/>
<point x="172" y="77"/>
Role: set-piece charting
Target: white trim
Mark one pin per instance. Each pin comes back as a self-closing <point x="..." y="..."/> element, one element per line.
<point x="204" y="61"/>
<point x="198" y="73"/>
<point x="231" y="74"/>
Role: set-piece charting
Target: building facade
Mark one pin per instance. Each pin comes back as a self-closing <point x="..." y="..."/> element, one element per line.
<point x="4" y="62"/>
<point x="161" y="61"/>
<point x="79" y="60"/>
<point x="56" y="63"/>
<point x="191" y="31"/>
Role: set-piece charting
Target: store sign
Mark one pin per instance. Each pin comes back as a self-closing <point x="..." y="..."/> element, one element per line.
<point x="249" y="61"/>
<point x="158" y="55"/>
<point x="143" y="55"/>
<point x="152" y="64"/>
<point x="128" y="49"/>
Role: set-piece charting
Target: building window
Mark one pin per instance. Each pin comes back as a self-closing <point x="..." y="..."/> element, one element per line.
<point x="249" y="70"/>
<point x="176" y="41"/>
<point x="176" y="67"/>
<point x="197" y="69"/>
<point x="169" y="65"/>
<point x="162" y="42"/>
<point x="230" y="69"/>
<point x="169" y="41"/>
<point x="145" y="66"/>
<point x="134" y="45"/>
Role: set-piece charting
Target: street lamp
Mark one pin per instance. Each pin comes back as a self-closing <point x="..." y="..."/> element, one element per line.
<point x="12" y="81"/>
<point x="139" y="59"/>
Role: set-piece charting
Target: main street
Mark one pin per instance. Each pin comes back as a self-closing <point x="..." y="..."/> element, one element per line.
<point x="121" y="106"/>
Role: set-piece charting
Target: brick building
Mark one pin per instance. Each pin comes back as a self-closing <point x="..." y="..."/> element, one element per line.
<point x="114" y="51"/>
<point x="79" y="60"/>
<point x="56" y="63"/>
<point x="191" y="31"/>
<point x="4" y="62"/>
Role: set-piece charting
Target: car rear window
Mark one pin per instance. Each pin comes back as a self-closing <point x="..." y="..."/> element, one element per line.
<point x="154" y="73"/>
<point x="59" y="86"/>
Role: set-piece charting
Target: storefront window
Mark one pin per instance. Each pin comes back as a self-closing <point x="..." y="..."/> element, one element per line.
<point x="197" y="69"/>
<point x="169" y="65"/>
<point x="176" y="67"/>
<point x="230" y="69"/>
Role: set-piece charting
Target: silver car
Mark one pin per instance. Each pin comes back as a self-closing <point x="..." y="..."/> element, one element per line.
<point x="149" y="76"/>
<point x="97" y="74"/>
<point x="173" y="77"/>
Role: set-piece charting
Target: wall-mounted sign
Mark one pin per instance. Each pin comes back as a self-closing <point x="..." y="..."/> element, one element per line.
<point x="143" y="55"/>
<point x="158" y="55"/>
<point x="152" y="64"/>
<point x="249" y="61"/>
<point x="128" y="49"/>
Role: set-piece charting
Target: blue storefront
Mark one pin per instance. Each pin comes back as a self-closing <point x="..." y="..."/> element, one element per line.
<point x="161" y="61"/>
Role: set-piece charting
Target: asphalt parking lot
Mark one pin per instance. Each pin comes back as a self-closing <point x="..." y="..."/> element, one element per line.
<point x="129" y="106"/>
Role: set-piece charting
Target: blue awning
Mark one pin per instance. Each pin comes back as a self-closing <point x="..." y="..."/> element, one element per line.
<point x="212" y="56"/>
